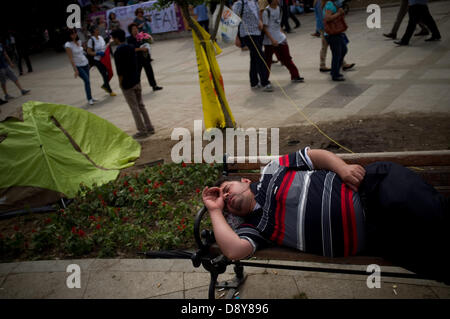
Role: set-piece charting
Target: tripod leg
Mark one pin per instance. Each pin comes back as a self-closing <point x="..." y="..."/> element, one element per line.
<point x="212" y="285"/>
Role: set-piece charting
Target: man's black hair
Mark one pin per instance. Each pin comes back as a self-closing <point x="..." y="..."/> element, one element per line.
<point x="118" y="34"/>
<point x="224" y="178"/>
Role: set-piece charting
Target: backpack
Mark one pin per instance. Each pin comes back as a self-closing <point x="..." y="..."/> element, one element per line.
<point x="90" y="58"/>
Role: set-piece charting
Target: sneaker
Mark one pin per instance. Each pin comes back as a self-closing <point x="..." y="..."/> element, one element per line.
<point x="315" y="34"/>
<point x="157" y="88"/>
<point x="325" y="69"/>
<point x="3" y="101"/>
<point x="140" y="135"/>
<point x="257" y="86"/>
<point x="298" y="80"/>
<point x="24" y="92"/>
<point x="112" y="94"/>
<point x="91" y="101"/>
<point x="268" y="88"/>
<point x="151" y="131"/>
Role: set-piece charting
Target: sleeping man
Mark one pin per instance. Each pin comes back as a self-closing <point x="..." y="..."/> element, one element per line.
<point x="311" y="200"/>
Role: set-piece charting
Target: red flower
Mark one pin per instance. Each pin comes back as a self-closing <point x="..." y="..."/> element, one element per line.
<point x="156" y="185"/>
<point x="48" y="221"/>
<point x="131" y="189"/>
<point x="149" y="181"/>
<point x="124" y="219"/>
<point x="183" y="164"/>
<point x="104" y="203"/>
<point x="181" y="182"/>
<point x="61" y="211"/>
<point x="150" y="203"/>
<point x="164" y="203"/>
<point x="98" y="226"/>
<point x="16" y="228"/>
<point x="92" y="218"/>
<point x="146" y="190"/>
<point x="33" y="230"/>
<point x="125" y="183"/>
<point x="197" y="190"/>
<point x="115" y="193"/>
<point x="74" y="230"/>
<point x="81" y="233"/>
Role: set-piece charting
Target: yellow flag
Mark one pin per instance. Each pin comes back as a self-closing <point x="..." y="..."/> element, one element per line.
<point x="207" y="72"/>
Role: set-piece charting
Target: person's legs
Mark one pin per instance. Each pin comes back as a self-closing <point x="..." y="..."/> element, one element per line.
<point x="104" y="73"/>
<point x="83" y="71"/>
<point x="253" y="45"/>
<point x="286" y="59"/>
<point x="428" y="20"/>
<point x="149" y="72"/>
<point x="268" y="53"/>
<point x="400" y="15"/>
<point x="336" y="59"/>
<point x="3" y="81"/>
<point x="294" y="18"/>
<point x="323" y="52"/>
<point x="147" y="123"/>
<point x="261" y="67"/>
<point x="285" y="18"/>
<point x="132" y="99"/>
<point x="407" y="219"/>
<point x="414" y="17"/>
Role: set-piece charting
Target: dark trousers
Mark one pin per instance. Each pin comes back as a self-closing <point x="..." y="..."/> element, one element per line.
<point x="258" y="70"/>
<point x="104" y="73"/>
<point x="400" y="15"/>
<point x="283" y="55"/>
<point x="407" y="220"/>
<point x="416" y="14"/>
<point x="204" y="24"/>
<point x="23" y="54"/>
<point x="338" y="48"/>
<point x="285" y="17"/>
<point x="144" y="62"/>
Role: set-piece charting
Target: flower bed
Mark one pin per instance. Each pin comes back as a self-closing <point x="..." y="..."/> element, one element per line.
<point x="151" y="210"/>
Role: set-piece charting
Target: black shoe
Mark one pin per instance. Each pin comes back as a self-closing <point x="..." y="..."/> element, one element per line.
<point x="400" y="43"/>
<point x="348" y="67"/>
<point x="157" y="88"/>
<point x="325" y="69"/>
<point x="3" y="102"/>
<point x="433" y="39"/>
<point x="298" y="80"/>
<point x="422" y="32"/>
<point x="297" y="26"/>
<point x="390" y="35"/>
<point x="338" y="79"/>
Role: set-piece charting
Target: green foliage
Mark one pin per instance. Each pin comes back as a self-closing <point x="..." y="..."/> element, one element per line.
<point x="150" y="210"/>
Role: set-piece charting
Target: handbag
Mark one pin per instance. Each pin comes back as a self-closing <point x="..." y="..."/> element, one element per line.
<point x="335" y="26"/>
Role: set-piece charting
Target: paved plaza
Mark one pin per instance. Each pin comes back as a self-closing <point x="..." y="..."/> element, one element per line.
<point x="387" y="78"/>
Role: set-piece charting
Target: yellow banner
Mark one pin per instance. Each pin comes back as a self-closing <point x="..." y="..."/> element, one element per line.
<point x="208" y="73"/>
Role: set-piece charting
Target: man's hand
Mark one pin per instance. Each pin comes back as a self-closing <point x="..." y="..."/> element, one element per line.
<point x="274" y="43"/>
<point x="212" y="198"/>
<point x="352" y="176"/>
<point x="260" y="25"/>
<point x="76" y="73"/>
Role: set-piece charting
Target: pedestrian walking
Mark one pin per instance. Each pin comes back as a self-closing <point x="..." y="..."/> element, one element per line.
<point x="7" y="73"/>
<point x="398" y="21"/>
<point x="129" y="80"/>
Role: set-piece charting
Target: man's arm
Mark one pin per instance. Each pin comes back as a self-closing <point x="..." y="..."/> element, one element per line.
<point x="352" y="175"/>
<point x="230" y="244"/>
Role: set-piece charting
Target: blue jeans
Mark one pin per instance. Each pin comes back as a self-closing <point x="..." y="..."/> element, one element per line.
<point x="338" y="46"/>
<point x="83" y="71"/>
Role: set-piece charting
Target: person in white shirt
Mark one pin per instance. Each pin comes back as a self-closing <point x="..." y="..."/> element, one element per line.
<point x="275" y="40"/>
<point x="79" y="62"/>
<point x="96" y="47"/>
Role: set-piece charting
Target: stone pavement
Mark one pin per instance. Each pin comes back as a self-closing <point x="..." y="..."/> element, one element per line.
<point x="178" y="279"/>
<point x="387" y="78"/>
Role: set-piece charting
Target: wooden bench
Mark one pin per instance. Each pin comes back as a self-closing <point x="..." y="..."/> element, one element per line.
<point x="433" y="166"/>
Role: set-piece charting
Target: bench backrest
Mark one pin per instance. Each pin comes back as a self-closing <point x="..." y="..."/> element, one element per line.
<point x="433" y="166"/>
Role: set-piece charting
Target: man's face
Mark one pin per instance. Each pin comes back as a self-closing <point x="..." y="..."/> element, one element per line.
<point x="238" y="198"/>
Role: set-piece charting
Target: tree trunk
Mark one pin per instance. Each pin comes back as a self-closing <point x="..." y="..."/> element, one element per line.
<point x="217" y="22"/>
<point x="185" y="10"/>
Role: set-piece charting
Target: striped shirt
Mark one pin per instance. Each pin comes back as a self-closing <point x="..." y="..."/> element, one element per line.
<point x="306" y="209"/>
<point x="250" y="17"/>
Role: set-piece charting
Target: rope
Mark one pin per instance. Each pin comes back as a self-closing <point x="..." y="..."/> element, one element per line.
<point x="292" y="101"/>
